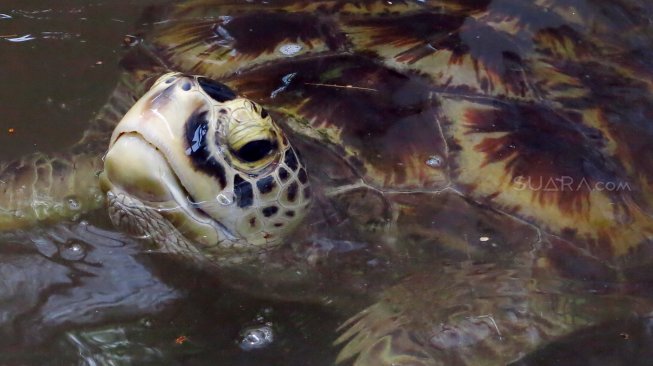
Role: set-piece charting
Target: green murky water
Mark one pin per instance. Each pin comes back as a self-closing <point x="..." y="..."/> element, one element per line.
<point x="82" y="294"/>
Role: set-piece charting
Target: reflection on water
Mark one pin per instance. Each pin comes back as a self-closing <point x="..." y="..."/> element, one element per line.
<point x="110" y="307"/>
<point x="624" y="342"/>
<point x="81" y="293"/>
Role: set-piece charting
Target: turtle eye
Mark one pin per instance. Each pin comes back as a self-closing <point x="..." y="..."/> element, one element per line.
<point x="256" y="150"/>
<point x="217" y="91"/>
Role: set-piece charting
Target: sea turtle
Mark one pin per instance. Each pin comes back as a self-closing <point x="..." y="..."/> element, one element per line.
<point x="496" y="153"/>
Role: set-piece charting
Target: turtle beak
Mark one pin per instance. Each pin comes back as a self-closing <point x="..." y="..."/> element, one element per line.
<point x="135" y="166"/>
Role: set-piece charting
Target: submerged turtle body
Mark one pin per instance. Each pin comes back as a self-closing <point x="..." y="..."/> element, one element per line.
<point x="502" y="148"/>
<point x="536" y="110"/>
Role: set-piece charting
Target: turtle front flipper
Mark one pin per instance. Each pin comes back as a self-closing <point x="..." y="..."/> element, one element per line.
<point x="473" y="314"/>
<point x="41" y="188"/>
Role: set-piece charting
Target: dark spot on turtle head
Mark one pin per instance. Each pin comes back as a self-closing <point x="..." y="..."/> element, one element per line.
<point x="278" y="224"/>
<point x="243" y="192"/>
<point x="292" y="191"/>
<point x="266" y="185"/>
<point x="264" y="113"/>
<point x="307" y="192"/>
<point x="197" y="149"/>
<point x="252" y="222"/>
<point x="290" y="213"/>
<point x="270" y="210"/>
<point x="291" y="159"/>
<point x="283" y="174"/>
<point x="217" y="91"/>
<point x="303" y="178"/>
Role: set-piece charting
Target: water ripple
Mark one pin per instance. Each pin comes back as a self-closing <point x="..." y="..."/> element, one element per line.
<point x="25" y="38"/>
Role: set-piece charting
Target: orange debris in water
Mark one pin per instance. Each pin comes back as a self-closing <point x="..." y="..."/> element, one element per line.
<point x="11" y="130"/>
<point x="181" y="339"/>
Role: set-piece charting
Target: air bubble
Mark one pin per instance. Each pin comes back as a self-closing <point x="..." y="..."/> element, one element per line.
<point x="225" y="198"/>
<point x="435" y="161"/>
<point x="256" y="337"/>
<point x="72" y="250"/>
<point x="73" y="203"/>
<point x="143" y="236"/>
<point x="290" y="49"/>
<point x="146" y="322"/>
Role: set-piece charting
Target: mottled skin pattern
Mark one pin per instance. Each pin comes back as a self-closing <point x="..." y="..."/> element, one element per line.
<point x="505" y="145"/>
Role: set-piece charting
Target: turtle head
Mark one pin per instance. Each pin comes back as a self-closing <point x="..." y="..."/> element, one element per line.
<point x="192" y="163"/>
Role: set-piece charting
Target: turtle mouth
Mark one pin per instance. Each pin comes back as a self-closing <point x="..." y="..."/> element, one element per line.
<point x="136" y="168"/>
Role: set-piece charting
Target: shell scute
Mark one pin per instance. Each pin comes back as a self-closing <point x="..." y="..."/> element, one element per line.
<point x="457" y="52"/>
<point x="614" y="97"/>
<point x="549" y="167"/>
<point x="382" y="121"/>
<point x="221" y="45"/>
<point x="420" y="95"/>
<point x="427" y="218"/>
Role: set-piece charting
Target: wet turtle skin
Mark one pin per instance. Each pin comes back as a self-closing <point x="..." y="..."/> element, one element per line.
<point x="502" y="147"/>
